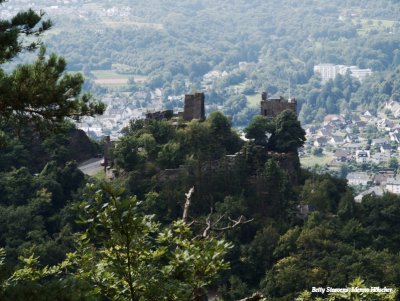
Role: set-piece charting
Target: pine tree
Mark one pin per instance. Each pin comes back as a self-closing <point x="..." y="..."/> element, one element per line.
<point x="42" y="91"/>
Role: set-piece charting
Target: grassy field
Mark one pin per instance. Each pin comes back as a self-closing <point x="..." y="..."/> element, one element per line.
<point x="253" y="100"/>
<point x="111" y="81"/>
<point x="107" y="74"/>
<point x="311" y="161"/>
<point x="114" y="79"/>
<point x="92" y="6"/>
<point x="110" y="78"/>
<point x="101" y="175"/>
<point x="116" y="24"/>
<point x="373" y="24"/>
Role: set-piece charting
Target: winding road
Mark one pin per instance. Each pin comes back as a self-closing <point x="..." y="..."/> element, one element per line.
<point x="91" y="166"/>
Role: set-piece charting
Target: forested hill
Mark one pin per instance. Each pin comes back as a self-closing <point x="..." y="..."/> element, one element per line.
<point x="215" y="32"/>
<point x="174" y="44"/>
<point x="193" y="210"/>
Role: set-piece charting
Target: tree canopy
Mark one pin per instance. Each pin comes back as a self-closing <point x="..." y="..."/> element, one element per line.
<point x="42" y="92"/>
<point x="283" y="133"/>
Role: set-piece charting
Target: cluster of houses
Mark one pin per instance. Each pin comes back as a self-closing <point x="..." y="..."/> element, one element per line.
<point x="374" y="183"/>
<point x="348" y="138"/>
<point x="366" y="142"/>
<point x="121" y="108"/>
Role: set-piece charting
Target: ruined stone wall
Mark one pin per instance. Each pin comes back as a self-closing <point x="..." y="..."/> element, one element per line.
<point x="272" y="107"/>
<point x="160" y="115"/>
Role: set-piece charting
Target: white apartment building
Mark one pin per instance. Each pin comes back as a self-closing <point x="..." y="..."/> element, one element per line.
<point x="363" y="156"/>
<point x="358" y="178"/>
<point x="329" y="71"/>
<point x="393" y="185"/>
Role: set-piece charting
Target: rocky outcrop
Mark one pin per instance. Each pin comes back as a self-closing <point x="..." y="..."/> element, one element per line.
<point x="80" y="145"/>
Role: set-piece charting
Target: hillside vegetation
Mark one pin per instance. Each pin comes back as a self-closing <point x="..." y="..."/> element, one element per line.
<point x="281" y="41"/>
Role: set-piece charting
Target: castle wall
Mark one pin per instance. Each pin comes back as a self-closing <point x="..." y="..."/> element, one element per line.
<point x="160" y="115"/>
<point x="274" y="106"/>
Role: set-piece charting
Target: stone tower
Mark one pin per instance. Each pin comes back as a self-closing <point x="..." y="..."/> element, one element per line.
<point x="272" y="107"/>
<point x="194" y="107"/>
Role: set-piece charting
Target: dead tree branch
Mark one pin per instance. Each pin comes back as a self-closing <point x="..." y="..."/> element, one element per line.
<point x="234" y="224"/>
<point x="209" y="224"/>
<point x="188" y="195"/>
<point x="255" y="297"/>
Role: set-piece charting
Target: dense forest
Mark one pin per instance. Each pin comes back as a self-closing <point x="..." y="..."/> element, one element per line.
<point x="193" y="211"/>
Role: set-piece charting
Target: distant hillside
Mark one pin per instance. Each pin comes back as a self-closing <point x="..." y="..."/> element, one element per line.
<point x="174" y="44"/>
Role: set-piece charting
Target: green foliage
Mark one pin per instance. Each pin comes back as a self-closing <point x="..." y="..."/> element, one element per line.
<point x="31" y="281"/>
<point x="135" y="259"/>
<point x="129" y="256"/>
<point x="160" y="143"/>
<point x="332" y="250"/>
<point x="197" y="137"/>
<point x="41" y="92"/>
<point x="234" y="289"/>
<point x="394" y="163"/>
<point x="224" y="137"/>
<point x="260" y="129"/>
<point x="288" y="134"/>
<point x="170" y="155"/>
<point x="26" y="23"/>
<point x="30" y="212"/>
<point x="258" y="255"/>
<point x="34" y="194"/>
<point x="317" y="152"/>
<point x="127" y="154"/>
<point x="283" y="133"/>
<point x="323" y="193"/>
<point x="16" y="186"/>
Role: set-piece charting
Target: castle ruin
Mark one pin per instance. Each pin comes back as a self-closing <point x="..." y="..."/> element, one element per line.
<point x="272" y="107"/>
<point x="194" y="107"/>
<point x="160" y="115"/>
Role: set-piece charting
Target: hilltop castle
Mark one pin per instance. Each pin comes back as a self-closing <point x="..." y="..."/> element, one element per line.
<point x="193" y="109"/>
<point x="272" y="107"/>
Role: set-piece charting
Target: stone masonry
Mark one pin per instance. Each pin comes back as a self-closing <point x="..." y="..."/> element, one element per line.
<point x="194" y="107"/>
<point x="272" y="107"/>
